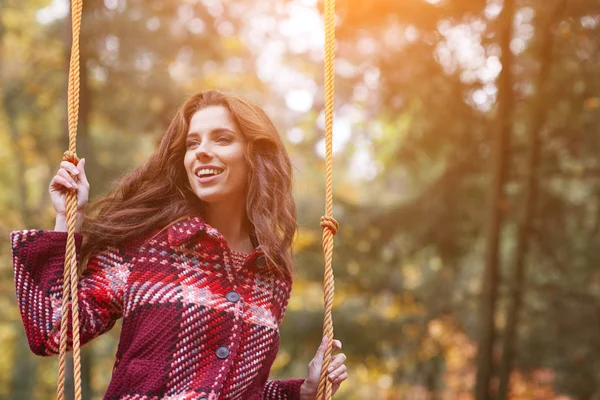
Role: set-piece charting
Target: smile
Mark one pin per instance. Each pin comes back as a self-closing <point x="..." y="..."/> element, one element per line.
<point x="208" y="172"/>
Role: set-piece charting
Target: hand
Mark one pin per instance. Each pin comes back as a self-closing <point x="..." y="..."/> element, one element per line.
<point x="337" y="371"/>
<point x="67" y="177"/>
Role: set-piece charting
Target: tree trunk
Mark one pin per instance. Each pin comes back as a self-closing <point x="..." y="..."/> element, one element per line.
<point x="499" y="163"/>
<point x="529" y="197"/>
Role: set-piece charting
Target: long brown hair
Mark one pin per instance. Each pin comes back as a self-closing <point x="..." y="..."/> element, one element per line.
<point x="157" y="193"/>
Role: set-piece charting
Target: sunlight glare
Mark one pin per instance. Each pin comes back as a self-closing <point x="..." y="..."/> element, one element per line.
<point x="299" y="100"/>
<point x="295" y="135"/>
<point x="492" y="10"/>
<point x="58" y="9"/>
<point x="362" y="166"/>
<point x="342" y="133"/>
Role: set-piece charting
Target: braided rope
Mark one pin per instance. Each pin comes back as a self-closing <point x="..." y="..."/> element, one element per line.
<point x="328" y="223"/>
<point x="70" y="272"/>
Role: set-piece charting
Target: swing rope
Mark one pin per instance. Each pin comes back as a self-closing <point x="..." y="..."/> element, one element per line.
<point x="328" y="223"/>
<point x="70" y="277"/>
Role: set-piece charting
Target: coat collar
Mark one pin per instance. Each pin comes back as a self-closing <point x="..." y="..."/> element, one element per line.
<point x="183" y="231"/>
<point x="190" y="228"/>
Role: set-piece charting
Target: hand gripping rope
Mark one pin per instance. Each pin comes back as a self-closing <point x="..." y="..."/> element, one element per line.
<point x="328" y="223"/>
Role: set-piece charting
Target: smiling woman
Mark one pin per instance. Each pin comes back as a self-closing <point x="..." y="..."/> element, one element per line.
<point x="215" y="162"/>
<point x="196" y="241"/>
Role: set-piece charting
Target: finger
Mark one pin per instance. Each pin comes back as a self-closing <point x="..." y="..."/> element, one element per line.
<point x="82" y="175"/>
<point x="338" y="371"/>
<point x="65" y="174"/>
<point x="322" y="349"/>
<point x="337" y="344"/>
<point x="336" y="361"/>
<point x="60" y="181"/>
<point x="341" y="378"/>
<point x="69" y="167"/>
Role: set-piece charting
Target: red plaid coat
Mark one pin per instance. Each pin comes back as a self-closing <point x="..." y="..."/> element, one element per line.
<point x="194" y="327"/>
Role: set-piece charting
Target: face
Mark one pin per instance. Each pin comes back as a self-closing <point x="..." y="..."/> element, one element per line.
<point x="215" y="156"/>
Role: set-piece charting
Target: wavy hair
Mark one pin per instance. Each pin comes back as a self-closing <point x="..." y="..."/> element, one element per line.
<point x="157" y="193"/>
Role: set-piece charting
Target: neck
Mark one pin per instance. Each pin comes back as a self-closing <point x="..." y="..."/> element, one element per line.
<point x="229" y="218"/>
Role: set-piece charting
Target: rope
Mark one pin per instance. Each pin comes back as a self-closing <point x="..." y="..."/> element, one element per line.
<point x="328" y="223"/>
<point x="70" y="272"/>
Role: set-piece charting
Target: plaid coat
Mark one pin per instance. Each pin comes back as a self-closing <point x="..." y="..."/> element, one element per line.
<point x="194" y="327"/>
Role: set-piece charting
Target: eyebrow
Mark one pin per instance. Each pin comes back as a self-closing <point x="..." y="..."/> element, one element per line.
<point x="212" y="131"/>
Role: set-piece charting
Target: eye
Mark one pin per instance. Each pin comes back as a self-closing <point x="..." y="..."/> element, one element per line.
<point x="224" y="139"/>
<point x="190" y="143"/>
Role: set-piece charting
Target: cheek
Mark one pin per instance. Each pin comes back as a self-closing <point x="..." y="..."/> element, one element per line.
<point x="188" y="161"/>
<point x="237" y="159"/>
<point x="244" y="167"/>
<point x="241" y="171"/>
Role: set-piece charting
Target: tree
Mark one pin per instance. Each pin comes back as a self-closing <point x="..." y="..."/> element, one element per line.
<point x="517" y="285"/>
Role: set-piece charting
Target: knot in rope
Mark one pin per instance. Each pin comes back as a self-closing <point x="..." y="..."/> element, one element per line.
<point x="329" y="223"/>
<point x="71" y="157"/>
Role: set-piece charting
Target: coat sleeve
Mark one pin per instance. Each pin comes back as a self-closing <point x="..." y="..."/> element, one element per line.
<point x="38" y="262"/>
<point x="288" y="389"/>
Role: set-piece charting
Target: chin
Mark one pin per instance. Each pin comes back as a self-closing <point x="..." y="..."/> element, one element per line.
<point x="210" y="198"/>
<point x="217" y="197"/>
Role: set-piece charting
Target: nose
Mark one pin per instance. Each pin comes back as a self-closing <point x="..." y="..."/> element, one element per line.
<point x="203" y="151"/>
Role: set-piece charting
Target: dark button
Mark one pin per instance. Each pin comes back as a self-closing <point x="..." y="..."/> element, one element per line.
<point x="233" y="296"/>
<point x="261" y="261"/>
<point x="222" y="352"/>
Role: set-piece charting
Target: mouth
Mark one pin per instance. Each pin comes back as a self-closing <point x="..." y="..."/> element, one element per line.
<point x="208" y="173"/>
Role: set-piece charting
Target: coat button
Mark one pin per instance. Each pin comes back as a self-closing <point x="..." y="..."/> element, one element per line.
<point x="222" y="352"/>
<point x="261" y="261"/>
<point x="232" y="296"/>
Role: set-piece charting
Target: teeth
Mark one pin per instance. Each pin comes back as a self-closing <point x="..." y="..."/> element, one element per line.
<point x="207" y="171"/>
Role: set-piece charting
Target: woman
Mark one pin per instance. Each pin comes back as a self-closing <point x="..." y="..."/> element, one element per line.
<point x="192" y="249"/>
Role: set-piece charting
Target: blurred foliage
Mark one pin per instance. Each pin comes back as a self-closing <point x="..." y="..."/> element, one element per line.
<point x="416" y="98"/>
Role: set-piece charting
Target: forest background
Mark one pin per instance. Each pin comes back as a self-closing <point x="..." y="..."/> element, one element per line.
<point x="466" y="174"/>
